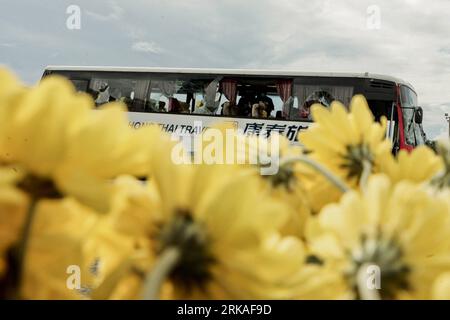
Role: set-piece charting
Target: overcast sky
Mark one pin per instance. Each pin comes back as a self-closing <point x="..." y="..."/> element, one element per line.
<point x="412" y="41"/>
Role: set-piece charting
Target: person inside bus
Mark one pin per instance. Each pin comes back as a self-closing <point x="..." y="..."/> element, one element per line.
<point x="174" y="105"/>
<point x="203" y="108"/>
<point x="279" y="115"/>
<point x="103" y="94"/>
<point x="262" y="97"/>
<point x="179" y="106"/>
<point x="305" y="111"/>
<point x="259" y="110"/>
<point x="161" y="106"/>
<point x="211" y="102"/>
<point x="229" y="110"/>
<point x="184" y="107"/>
<point x="245" y="104"/>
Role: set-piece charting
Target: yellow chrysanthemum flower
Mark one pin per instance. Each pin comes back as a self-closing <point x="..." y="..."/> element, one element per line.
<point x="133" y="208"/>
<point x="286" y="184"/>
<point x="11" y="92"/>
<point x="216" y="256"/>
<point x="220" y="232"/>
<point x="41" y="125"/>
<point x="73" y="253"/>
<point x="37" y="129"/>
<point x="65" y="146"/>
<point x="133" y="218"/>
<point x="419" y="165"/>
<point x="103" y="148"/>
<point x="345" y="143"/>
<point x="441" y="288"/>
<point x="398" y="228"/>
<point x="267" y="160"/>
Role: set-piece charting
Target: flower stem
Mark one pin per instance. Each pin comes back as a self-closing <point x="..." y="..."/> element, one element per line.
<point x="367" y="170"/>
<point x="23" y="244"/>
<point x="163" y="267"/>
<point x="319" y="168"/>
<point x="365" y="293"/>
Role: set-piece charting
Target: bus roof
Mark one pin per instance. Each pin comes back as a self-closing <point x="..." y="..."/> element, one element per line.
<point x="250" y="72"/>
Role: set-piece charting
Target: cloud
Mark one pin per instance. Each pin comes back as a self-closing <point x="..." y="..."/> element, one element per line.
<point x="443" y="135"/>
<point x="116" y="14"/>
<point x="435" y="124"/>
<point x="147" y="47"/>
<point x="8" y="45"/>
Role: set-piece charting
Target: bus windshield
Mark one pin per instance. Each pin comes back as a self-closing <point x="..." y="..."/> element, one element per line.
<point x="414" y="134"/>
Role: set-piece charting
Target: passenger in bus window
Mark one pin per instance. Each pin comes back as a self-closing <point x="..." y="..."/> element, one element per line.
<point x="229" y="109"/>
<point x="245" y="104"/>
<point x="174" y="105"/>
<point x="179" y="106"/>
<point x="203" y="109"/>
<point x="184" y="107"/>
<point x="103" y="94"/>
<point x="161" y="106"/>
<point x="279" y="115"/>
<point x="155" y="106"/>
<point x="212" y="97"/>
<point x="305" y="111"/>
<point x="262" y="97"/>
<point x="259" y="110"/>
<point x="224" y="112"/>
<point x="318" y="97"/>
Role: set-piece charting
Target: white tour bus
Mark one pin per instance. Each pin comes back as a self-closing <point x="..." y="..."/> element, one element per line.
<point x="256" y="101"/>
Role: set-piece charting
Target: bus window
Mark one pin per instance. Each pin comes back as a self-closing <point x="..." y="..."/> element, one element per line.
<point x="131" y="92"/>
<point x="161" y="95"/>
<point x="307" y="95"/>
<point x="263" y="98"/>
<point x="382" y="108"/>
<point x="183" y="96"/>
<point x="209" y="99"/>
<point x="254" y="102"/>
<point x="81" y="85"/>
<point x="226" y="107"/>
<point x="277" y="106"/>
<point x="245" y="99"/>
<point x="157" y="102"/>
<point x="226" y="97"/>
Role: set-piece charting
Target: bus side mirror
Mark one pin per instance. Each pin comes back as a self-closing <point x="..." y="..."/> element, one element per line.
<point x="418" y="116"/>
